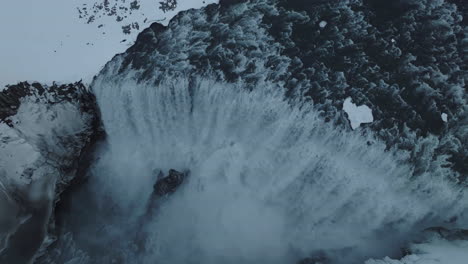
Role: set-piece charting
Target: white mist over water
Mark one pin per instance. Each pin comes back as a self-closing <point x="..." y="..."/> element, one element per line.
<point x="270" y="182"/>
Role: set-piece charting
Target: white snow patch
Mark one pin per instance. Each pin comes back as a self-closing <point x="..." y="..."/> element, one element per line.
<point x="323" y="24"/>
<point x="46" y="41"/>
<point x="357" y="114"/>
<point x="444" y="117"/>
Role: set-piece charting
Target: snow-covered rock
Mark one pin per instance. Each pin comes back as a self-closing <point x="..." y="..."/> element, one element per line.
<point x="44" y="133"/>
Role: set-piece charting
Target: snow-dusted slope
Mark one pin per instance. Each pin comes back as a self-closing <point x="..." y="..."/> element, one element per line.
<point x="44" y="132"/>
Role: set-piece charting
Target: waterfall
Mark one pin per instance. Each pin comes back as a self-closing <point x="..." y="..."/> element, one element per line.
<point x="270" y="181"/>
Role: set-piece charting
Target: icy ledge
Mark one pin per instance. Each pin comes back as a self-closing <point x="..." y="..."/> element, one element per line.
<point x="45" y="132"/>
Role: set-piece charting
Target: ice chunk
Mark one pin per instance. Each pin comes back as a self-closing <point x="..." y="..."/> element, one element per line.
<point x="357" y="114"/>
<point x="444" y="117"/>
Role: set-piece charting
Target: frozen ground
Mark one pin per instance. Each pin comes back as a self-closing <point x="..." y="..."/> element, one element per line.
<point x="46" y="40"/>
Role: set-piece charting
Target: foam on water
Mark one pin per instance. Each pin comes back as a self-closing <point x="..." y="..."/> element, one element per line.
<point x="270" y="181"/>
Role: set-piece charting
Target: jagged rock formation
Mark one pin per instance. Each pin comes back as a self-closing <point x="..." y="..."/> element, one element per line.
<point x="164" y="186"/>
<point x="46" y="133"/>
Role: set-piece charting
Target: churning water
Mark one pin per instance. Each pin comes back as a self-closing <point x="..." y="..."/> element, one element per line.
<point x="270" y="181"/>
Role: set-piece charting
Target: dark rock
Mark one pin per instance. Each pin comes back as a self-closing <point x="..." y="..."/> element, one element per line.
<point x="226" y="3"/>
<point x="168" y="5"/>
<point x="448" y="234"/>
<point x="170" y="183"/>
<point x="314" y="260"/>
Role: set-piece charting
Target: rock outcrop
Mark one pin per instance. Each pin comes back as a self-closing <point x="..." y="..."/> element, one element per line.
<point x="46" y="132"/>
<point x="169" y="184"/>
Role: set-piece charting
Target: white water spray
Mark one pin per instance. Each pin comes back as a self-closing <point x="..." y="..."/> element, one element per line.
<point x="270" y="181"/>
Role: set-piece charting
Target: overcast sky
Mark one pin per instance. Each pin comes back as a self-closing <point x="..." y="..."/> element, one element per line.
<point x="46" y="41"/>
